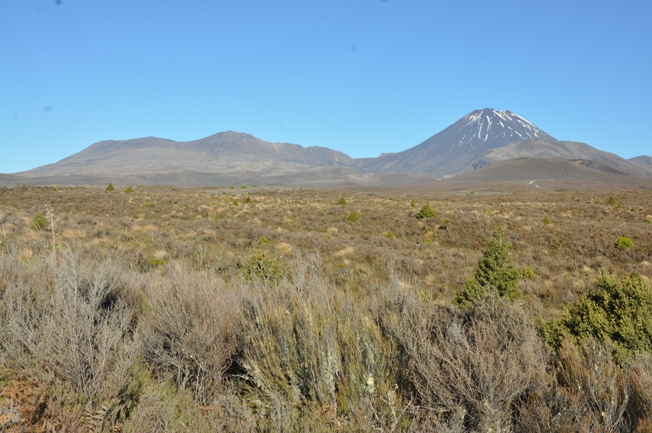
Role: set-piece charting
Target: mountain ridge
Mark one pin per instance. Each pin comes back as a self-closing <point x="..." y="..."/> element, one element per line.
<point x="476" y="141"/>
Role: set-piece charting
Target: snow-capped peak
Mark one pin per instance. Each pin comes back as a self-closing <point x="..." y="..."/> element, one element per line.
<point x="490" y="124"/>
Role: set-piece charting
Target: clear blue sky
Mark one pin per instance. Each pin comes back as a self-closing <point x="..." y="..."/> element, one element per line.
<point x="360" y="76"/>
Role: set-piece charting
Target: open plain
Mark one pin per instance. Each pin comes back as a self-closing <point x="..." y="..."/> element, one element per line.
<point x="256" y="308"/>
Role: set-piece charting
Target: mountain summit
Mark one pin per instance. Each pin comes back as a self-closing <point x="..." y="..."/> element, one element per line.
<point x="496" y="127"/>
<point x="480" y="139"/>
<point x="457" y="147"/>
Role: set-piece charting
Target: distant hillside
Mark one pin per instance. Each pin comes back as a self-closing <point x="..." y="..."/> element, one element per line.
<point x="550" y="148"/>
<point x="539" y="169"/>
<point x="643" y="159"/>
<point x="226" y="158"/>
<point x="224" y="153"/>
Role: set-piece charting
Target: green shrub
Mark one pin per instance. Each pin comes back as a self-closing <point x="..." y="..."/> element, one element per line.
<point x="546" y="220"/>
<point x="39" y="222"/>
<point x="495" y="271"/>
<point x="426" y="212"/>
<point x="648" y="220"/>
<point x="109" y="187"/>
<point x="624" y="243"/>
<point x="389" y="235"/>
<point x="261" y="267"/>
<point x="429" y="241"/>
<point x="353" y="217"/>
<point x="129" y="190"/>
<point x="264" y="240"/>
<point x="616" y="312"/>
<point x="235" y="203"/>
<point x="413" y="203"/>
<point x="342" y="201"/>
<point x="243" y="186"/>
<point x="612" y="201"/>
<point x="248" y="200"/>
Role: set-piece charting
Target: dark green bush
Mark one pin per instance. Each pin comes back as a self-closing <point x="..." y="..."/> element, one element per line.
<point x="612" y="201"/>
<point x="109" y="187"/>
<point x="613" y="311"/>
<point x="495" y="270"/>
<point x="546" y="220"/>
<point x="261" y="267"/>
<point x="624" y="243"/>
<point x="342" y="201"/>
<point x="129" y="190"/>
<point x="39" y="222"/>
<point x="248" y="200"/>
<point x="353" y="217"/>
<point x="426" y="212"/>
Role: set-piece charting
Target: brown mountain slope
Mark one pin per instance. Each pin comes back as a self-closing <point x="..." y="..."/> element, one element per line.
<point x="643" y="159"/>
<point x="224" y="153"/>
<point x="531" y="170"/>
<point x="550" y="148"/>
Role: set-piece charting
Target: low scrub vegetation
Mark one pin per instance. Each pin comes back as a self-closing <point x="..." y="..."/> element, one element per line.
<point x="173" y="310"/>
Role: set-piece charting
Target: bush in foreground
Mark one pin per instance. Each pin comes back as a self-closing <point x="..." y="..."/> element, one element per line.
<point x="617" y="312"/>
<point x="469" y="367"/>
<point x="495" y="270"/>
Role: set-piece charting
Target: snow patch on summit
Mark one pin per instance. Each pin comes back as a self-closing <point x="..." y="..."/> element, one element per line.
<point x="484" y="125"/>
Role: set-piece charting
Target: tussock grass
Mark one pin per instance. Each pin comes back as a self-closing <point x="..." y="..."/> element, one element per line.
<point x="145" y="319"/>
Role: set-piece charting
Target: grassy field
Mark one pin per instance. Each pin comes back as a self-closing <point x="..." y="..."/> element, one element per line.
<point x="276" y="309"/>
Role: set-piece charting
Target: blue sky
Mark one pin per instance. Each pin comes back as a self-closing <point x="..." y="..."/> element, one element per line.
<point x="360" y="76"/>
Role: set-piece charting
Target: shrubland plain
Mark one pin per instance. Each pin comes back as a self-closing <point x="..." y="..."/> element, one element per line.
<point x="256" y="308"/>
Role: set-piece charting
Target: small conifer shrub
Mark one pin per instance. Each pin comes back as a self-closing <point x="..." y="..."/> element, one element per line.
<point x="495" y="271"/>
<point x="546" y="220"/>
<point x="39" y="222"/>
<point x="624" y="243"/>
<point x="261" y="267"/>
<point x="429" y="241"/>
<point x="648" y="220"/>
<point x="413" y="203"/>
<point x="109" y="187"/>
<point x="129" y="190"/>
<point x="243" y="186"/>
<point x="390" y="235"/>
<point x="615" y="312"/>
<point x="342" y="201"/>
<point x="426" y="212"/>
<point x="264" y="240"/>
<point x="353" y="217"/>
<point x="235" y="203"/>
<point x="612" y="201"/>
<point x="248" y="200"/>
